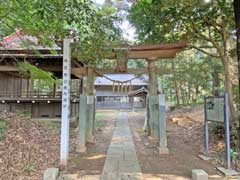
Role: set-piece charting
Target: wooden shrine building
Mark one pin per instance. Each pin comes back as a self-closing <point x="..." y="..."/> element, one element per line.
<point x="18" y="92"/>
<point x="109" y="99"/>
<point x="141" y="94"/>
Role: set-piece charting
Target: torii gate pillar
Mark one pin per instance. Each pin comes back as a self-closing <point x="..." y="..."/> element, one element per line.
<point x="156" y="110"/>
<point x="153" y="99"/>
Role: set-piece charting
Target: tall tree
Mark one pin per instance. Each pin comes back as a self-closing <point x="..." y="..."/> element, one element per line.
<point x="207" y="27"/>
<point x="237" y="24"/>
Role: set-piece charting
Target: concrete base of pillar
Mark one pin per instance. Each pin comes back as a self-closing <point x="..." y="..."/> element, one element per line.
<point x="162" y="150"/>
<point x="199" y="174"/>
<point x="81" y="149"/>
<point x="203" y="157"/>
<point x="91" y="140"/>
<point x="153" y="139"/>
<point x="51" y="174"/>
<point x="228" y="172"/>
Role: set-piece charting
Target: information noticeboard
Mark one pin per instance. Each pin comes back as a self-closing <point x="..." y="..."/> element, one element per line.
<point x="215" y="109"/>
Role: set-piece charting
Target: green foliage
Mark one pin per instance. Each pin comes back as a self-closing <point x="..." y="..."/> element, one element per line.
<point x="3" y="127"/>
<point x="106" y="64"/>
<point x="28" y="69"/>
<point x="39" y="18"/>
<point x="137" y="63"/>
<point x="233" y="155"/>
<point x="100" y="123"/>
<point x="28" y="168"/>
<point x="50" y="21"/>
<point x="77" y="160"/>
<point x="105" y="34"/>
<point x="102" y="116"/>
<point x="140" y="131"/>
<point x="50" y="124"/>
<point x="208" y="27"/>
<point x="170" y="20"/>
<point x="193" y="77"/>
<point x="23" y="113"/>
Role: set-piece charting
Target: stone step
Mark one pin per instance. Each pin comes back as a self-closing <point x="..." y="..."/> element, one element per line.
<point x="199" y="174"/>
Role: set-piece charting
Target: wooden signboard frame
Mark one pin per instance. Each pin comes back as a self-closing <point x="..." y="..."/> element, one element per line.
<point x="212" y="108"/>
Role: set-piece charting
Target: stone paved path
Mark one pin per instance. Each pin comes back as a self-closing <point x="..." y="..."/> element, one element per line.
<point x="121" y="162"/>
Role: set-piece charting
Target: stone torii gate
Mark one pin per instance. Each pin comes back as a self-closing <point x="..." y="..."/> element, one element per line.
<point x="151" y="53"/>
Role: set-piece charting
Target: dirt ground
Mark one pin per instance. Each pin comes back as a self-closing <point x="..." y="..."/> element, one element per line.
<point x="92" y="162"/>
<point x="29" y="147"/>
<point x="185" y="142"/>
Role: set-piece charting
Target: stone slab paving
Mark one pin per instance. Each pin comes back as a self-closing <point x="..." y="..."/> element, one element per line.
<point x="121" y="162"/>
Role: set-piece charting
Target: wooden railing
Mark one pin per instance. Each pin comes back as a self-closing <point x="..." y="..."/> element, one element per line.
<point x="34" y="95"/>
<point x="117" y="105"/>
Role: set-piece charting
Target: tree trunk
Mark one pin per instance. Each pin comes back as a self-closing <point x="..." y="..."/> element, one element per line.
<point x="228" y="63"/>
<point x="175" y="82"/>
<point x="237" y="23"/>
<point x="195" y="97"/>
<point x="197" y="91"/>
<point x="189" y="94"/>
<point x="228" y="85"/>
<point x="81" y="86"/>
<point x="229" y="77"/>
<point x="182" y="95"/>
<point x="215" y="81"/>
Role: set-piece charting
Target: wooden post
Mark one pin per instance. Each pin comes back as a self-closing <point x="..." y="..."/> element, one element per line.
<point x="153" y="99"/>
<point x="30" y="87"/>
<point x="27" y="87"/>
<point x="90" y="105"/>
<point x="81" y="139"/>
<point x="24" y="88"/>
<point x="65" y="102"/>
<point x="84" y="85"/>
<point x="132" y="102"/>
<point x="94" y="114"/>
<point x="152" y="77"/>
<point x="147" y="119"/>
<point x="54" y="89"/>
<point x="144" y="101"/>
<point x="20" y="86"/>
<point x="80" y="86"/>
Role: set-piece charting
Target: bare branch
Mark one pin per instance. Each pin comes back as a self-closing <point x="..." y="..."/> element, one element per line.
<point x="200" y="35"/>
<point x="215" y="25"/>
<point x="205" y="52"/>
<point x="206" y="47"/>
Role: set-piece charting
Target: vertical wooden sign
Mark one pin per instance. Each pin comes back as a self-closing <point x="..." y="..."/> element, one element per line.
<point x="66" y="79"/>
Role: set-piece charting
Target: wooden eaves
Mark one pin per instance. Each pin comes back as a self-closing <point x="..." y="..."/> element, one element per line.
<point x="148" y="52"/>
